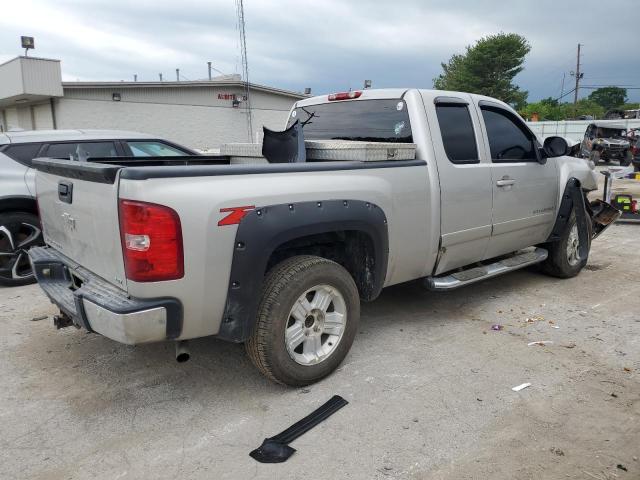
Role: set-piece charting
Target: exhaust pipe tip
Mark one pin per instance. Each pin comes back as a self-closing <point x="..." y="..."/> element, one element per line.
<point x="183" y="357"/>
<point x="182" y="352"/>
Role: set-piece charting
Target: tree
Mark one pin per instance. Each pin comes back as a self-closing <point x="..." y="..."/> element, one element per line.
<point x="488" y="68"/>
<point x="609" y="97"/>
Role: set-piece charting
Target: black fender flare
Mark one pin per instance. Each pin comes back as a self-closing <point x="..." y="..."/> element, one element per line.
<point x="572" y="195"/>
<point x="265" y="228"/>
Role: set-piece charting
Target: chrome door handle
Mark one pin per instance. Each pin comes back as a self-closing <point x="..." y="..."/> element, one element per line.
<point x="505" y="182"/>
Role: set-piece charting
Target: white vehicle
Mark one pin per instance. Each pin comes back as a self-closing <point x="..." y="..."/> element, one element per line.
<point x="19" y="225"/>
<point x="279" y="255"/>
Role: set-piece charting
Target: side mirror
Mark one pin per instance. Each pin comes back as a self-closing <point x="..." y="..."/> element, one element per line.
<point x="555" y="147"/>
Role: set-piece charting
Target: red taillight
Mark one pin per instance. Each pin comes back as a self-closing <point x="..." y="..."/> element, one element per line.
<point x="344" y="96"/>
<point x="151" y="242"/>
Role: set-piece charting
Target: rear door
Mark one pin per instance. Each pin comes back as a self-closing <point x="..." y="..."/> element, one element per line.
<point x="525" y="192"/>
<point x="465" y="179"/>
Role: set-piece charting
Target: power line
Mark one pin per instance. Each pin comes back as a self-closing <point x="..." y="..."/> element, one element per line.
<point x="610" y="85"/>
<point x="596" y="87"/>
<point x="565" y="94"/>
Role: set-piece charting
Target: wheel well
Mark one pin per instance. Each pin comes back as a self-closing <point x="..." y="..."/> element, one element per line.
<point x="352" y="249"/>
<point x="18" y="204"/>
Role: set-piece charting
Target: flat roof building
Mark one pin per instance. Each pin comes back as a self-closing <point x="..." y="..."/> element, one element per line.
<point x="200" y="114"/>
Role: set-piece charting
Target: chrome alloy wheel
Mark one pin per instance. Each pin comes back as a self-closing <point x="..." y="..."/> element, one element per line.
<point x="573" y="245"/>
<point x="316" y="324"/>
<point x="15" y="241"/>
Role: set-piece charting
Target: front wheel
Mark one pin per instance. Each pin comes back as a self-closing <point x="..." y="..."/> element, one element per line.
<point x="307" y="320"/>
<point x="564" y="260"/>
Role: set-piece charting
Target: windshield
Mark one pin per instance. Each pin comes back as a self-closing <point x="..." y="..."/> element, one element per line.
<point x="609" y="133"/>
<point x="363" y="120"/>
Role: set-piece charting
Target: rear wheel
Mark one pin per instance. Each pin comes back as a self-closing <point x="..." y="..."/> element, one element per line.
<point x="19" y="231"/>
<point x="564" y="260"/>
<point x="307" y="320"/>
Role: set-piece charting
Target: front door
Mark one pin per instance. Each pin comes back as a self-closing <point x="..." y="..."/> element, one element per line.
<point x="525" y="192"/>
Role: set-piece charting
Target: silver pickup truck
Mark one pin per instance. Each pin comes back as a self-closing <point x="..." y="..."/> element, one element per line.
<point x="279" y="255"/>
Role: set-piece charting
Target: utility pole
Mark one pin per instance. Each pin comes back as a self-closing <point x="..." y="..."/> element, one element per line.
<point x="578" y="77"/>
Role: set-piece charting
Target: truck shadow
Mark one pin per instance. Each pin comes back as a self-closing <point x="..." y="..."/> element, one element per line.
<point x="219" y="367"/>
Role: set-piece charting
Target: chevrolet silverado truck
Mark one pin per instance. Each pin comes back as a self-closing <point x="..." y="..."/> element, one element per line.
<point x="279" y="255"/>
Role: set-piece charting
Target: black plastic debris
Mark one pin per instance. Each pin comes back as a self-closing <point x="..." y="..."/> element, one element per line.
<point x="277" y="450"/>
<point x="286" y="146"/>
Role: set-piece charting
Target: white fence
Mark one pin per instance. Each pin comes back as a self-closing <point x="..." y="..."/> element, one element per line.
<point x="573" y="129"/>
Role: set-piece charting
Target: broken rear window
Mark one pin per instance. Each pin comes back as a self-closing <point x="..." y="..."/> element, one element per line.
<point x="363" y="120"/>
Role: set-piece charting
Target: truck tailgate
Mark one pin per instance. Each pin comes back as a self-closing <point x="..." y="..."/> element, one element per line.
<point x="80" y="219"/>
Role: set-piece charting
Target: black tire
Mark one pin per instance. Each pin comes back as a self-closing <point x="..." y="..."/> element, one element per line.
<point x="594" y="156"/>
<point x="626" y="161"/>
<point x="19" y="231"/>
<point x="558" y="263"/>
<point x="284" y="285"/>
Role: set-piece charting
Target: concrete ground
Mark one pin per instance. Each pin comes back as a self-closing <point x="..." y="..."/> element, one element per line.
<point x="428" y="381"/>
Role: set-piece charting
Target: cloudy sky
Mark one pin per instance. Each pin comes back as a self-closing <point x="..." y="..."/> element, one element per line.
<point x="327" y="45"/>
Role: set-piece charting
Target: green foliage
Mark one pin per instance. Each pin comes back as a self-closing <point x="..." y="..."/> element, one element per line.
<point x="488" y="68"/>
<point x="609" y="97"/>
<point x="550" y="109"/>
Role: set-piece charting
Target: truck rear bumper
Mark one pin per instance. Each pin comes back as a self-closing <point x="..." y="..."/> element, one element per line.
<point x="96" y="305"/>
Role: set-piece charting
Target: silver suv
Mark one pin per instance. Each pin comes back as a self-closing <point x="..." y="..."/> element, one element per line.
<point x="19" y="223"/>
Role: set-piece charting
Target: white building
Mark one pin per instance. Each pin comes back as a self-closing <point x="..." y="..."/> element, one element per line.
<point x="199" y="114"/>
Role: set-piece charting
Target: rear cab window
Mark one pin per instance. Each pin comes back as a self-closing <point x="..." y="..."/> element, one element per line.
<point x="375" y="120"/>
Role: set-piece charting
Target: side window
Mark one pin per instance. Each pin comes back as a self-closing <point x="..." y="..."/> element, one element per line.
<point x="82" y="150"/>
<point x="589" y="132"/>
<point x="508" y="139"/>
<point x="154" y="149"/>
<point x="23" y="153"/>
<point x="457" y="133"/>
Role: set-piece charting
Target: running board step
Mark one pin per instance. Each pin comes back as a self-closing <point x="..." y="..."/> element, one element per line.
<point x="472" y="275"/>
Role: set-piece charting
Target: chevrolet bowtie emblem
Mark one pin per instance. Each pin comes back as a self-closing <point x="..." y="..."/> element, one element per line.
<point x="69" y="221"/>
